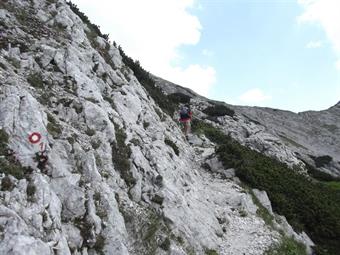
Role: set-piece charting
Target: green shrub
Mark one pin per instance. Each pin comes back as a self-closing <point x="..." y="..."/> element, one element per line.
<point x="71" y="140"/>
<point x="9" y="165"/>
<point x="90" y="132"/>
<point x="100" y="243"/>
<point x="152" y="228"/>
<point x="4" y="138"/>
<point x="30" y="191"/>
<point x="53" y="127"/>
<point x="218" y="110"/>
<point x="120" y="156"/>
<point x="157" y="199"/>
<point x="172" y="145"/>
<point x="96" y="196"/>
<point x="6" y="184"/>
<point x="179" y="98"/>
<point x="243" y="213"/>
<point x="45" y="98"/>
<point x="135" y="142"/>
<point x="148" y="228"/>
<point x="333" y="185"/>
<point x="78" y="108"/>
<point x="307" y="205"/>
<point x="201" y="127"/>
<point x="36" y="80"/>
<point x="66" y="102"/>
<point x="96" y="144"/>
<point x="12" y="168"/>
<point x="179" y="239"/>
<point x="110" y="101"/>
<point x="211" y="252"/>
<point x="287" y="246"/>
<point x="85" y="228"/>
<point x="165" y="245"/>
<point x="86" y="20"/>
<point x="104" y="77"/>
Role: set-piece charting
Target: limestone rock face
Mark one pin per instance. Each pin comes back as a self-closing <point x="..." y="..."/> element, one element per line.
<point x="110" y="184"/>
<point x="313" y="136"/>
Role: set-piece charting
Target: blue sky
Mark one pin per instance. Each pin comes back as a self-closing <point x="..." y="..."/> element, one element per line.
<point x="260" y="45"/>
<point x="280" y="54"/>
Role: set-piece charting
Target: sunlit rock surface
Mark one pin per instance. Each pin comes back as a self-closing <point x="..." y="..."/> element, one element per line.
<point x="60" y="80"/>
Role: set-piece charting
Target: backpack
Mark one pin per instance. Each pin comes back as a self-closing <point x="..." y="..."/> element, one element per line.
<point x="185" y="112"/>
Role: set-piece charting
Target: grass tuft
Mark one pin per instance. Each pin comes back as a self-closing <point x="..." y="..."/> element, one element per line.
<point x="99" y="244"/>
<point x="165" y="245"/>
<point x="210" y="252"/>
<point x="218" y="110"/>
<point x="120" y="156"/>
<point x="4" y="138"/>
<point x="36" y="80"/>
<point x="53" y="127"/>
<point x="287" y="246"/>
<point x="172" y="145"/>
<point x="7" y="184"/>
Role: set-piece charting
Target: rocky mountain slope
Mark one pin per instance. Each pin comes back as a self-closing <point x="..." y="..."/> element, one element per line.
<point x="92" y="162"/>
<point x="310" y="137"/>
<point x="314" y="136"/>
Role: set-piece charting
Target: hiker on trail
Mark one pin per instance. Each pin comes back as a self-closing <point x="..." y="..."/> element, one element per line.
<point x="185" y="117"/>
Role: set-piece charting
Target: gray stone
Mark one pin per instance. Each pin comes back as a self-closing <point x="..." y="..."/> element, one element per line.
<point x="264" y="200"/>
<point x="81" y="192"/>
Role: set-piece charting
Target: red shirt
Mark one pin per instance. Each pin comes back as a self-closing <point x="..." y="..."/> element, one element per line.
<point x="186" y="119"/>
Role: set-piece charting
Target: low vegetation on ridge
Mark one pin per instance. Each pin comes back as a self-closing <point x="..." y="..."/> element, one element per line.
<point x="217" y="110"/>
<point x="287" y="246"/>
<point x="149" y="84"/>
<point x="308" y="205"/>
<point x="86" y="20"/>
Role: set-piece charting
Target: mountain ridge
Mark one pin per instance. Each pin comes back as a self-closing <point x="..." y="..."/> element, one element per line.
<point x="120" y="177"/>
<point x="305" y="121"/>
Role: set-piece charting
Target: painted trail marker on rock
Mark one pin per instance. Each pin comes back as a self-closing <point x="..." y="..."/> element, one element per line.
<point x="35" y="137"/>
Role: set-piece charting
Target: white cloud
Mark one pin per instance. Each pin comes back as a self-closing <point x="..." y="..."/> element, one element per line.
<point x="337" y="65"/>
<point x="194" y="77"/>
<point x="207" y="53"/>
<point x="151" y="31"/>
<point x="314" y="44"/>
<point x="254" y="96"/>
<point x="325" y="13"/>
